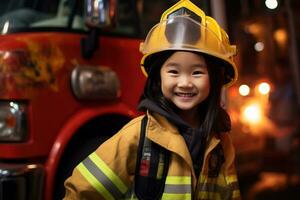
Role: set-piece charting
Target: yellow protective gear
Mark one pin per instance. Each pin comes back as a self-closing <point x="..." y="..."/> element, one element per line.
<point x="108" y="173"/>
<point x="185" y="27"/>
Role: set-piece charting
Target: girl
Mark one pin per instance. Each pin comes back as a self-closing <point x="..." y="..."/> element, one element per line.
<point x="187" y="58"/>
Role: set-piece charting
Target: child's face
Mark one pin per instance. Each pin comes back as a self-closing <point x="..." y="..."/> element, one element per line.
<point x="185" y="80"/>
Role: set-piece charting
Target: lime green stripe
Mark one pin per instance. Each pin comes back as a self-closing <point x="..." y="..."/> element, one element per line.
<point x="231" y="178"/>
<point x="178" y="180"/>
<point x="209" y="195"/>
<point x="108" y="172"/>
<point x="94" y="182"/>
<point x="202" y="179"/>
<point x="236" y="194"/>
<point x="166" y="196"/>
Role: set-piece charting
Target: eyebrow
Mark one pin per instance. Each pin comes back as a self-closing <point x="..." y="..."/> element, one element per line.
<point x="172" y="64"/>
<point x="198" y="65"/>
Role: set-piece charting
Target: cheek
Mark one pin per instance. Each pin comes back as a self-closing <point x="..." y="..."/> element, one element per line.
<point x="208" y="88"/>
<point x="204" y="86"/>
<point x="163" y="86"/>
<point x="166" y="86"/>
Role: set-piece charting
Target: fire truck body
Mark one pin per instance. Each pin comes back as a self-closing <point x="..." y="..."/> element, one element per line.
<point x="50" y="110"/>
<point x="57" y="106"/>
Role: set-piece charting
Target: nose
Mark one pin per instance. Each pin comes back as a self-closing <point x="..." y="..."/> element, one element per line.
<point x="184" y="82"/>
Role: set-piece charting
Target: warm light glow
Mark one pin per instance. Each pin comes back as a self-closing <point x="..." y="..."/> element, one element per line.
<point x="252" y="113"/>
<point x="280" y="36"/>
<point x="271" y="4"/>
<point x="254" y="28"/>
<point x="32" y="166"/>
<point x="259" y="46"/>
<point x="244" y="90"/>
<point x="264" y="88"/>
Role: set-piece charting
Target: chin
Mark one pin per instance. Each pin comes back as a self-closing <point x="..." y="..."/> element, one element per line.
<point x="185" y="108"/>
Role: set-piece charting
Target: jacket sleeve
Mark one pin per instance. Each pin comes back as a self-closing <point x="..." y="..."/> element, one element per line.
<point x="108" y="172"/>
<point x="229" y="167"/>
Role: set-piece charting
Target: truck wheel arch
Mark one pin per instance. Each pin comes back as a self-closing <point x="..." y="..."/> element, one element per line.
<point x="92" y="130"/>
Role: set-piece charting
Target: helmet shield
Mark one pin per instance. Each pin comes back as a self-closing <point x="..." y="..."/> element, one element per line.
<point x="184" y="33"/>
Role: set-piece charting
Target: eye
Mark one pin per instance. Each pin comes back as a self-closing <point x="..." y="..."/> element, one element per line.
<point x="172" y="71"/>
<point x="198" y="72"/>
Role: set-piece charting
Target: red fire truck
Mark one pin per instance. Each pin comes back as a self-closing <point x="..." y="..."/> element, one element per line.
<point x="64" y="88"/>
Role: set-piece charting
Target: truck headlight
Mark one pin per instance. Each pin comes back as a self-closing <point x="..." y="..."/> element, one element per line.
<point x="13" y="121"/>
<point x="95" y="83"/>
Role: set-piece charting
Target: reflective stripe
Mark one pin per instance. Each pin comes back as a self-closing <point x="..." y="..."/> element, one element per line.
<point x="176" y="196"/>
<point x="209" y="195"/>
<point x="203" y="179"/>
<point x="201" y="195"/>
<point x="206" y="179"/>
<point x="94" y="182"/>
<point x="216" y="191"/>
<point x="218" y="188"/>
<point x="231" y="178"/>
<point x="209" y="187"/>
<point x="215" y="184"/>
<point x="236" y="194"/>
<point x="100" y="176"/>
<point x="160" y="167"/>
<point x="109" y="173"/>
<point x="178" y="187"/>
<point x="179" y="180"/>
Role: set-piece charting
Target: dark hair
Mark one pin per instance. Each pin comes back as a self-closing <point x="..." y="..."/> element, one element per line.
<point x="216" y="78"/>
<point x="152" y="89"/>
<point x="210" y="106"/>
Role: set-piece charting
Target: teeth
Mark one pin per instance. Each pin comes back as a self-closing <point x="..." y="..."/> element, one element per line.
<point x="185" y="94"/>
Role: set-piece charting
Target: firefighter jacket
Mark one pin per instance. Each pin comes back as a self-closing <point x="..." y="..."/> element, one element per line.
<point x="108" y="173"/>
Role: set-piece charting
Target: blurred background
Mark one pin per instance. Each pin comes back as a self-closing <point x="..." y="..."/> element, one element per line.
<point x="263" y="104"/>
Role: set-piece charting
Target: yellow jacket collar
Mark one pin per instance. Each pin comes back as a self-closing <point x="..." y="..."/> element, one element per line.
<point x="162" y="132"/>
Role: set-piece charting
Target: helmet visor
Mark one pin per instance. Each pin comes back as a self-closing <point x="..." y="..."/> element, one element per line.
<point x="184" y="33"/>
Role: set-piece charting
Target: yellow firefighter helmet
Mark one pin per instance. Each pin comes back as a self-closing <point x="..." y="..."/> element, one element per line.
<point x="185" y="27"/>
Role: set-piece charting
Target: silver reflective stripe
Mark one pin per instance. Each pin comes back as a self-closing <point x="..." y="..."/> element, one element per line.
<point x="209" y="187"/>
<point x="215" y="191"/>
<point x="213" y="187"/>
<point x="100" y="176"/>
<point x="178" y="189"/>
<point x="170" y="193"/>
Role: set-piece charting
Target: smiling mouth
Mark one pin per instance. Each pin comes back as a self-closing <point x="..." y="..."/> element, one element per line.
<point x="185" y="94"/>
